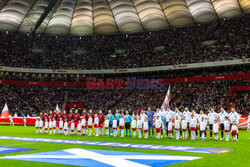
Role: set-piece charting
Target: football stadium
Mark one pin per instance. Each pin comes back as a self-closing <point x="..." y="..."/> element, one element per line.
<point x="124" y="83"/>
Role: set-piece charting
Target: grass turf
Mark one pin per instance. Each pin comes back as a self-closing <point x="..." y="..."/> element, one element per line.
<point x="240" y="157"/>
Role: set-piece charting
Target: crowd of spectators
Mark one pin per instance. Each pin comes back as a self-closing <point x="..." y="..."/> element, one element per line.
<point x="195" y="95"/>
<point x="178" y="46"/>
<point x="31" y="99"/>
<point x="173" y="46"/>
<point x="242" y="101"/>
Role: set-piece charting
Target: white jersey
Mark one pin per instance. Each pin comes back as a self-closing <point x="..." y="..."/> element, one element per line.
<point x="37" y="123"/>
<point x="66" y="124"/>
<point x="234" y="127"/>
<point x="139" y="124"/>
<point x="204" y="117"/>
<point x="211" y="117"/>
<point x="83" y="122"/>
<point x="187" y="114"/>
<point x="179" y="114"/>
<point x="24" y="119"/>
<point x="203" y="125"/>
<point x="41" y="123"/>
<point x="90" y="121"/>
<point x="72" y="126"/>
<point x="177" y="124"/>
<point x="184" y="124"/>
<point x="114" y="125"/>
<point x="196" y="116"/>
<point x="234" y="117"/>
<point x="170" y="126"/>
<point x="54" y="124"/>
<point x="172" y="114"/>
<point x="106" y="123"/>
<point x="215" y="127"/>
<point x="46" y="124"/>
<point x="50" y="124"/>
<point x="145" y="125"/>
<point x="193" y="122"/>
<point x="143" y="116"/>
<point x="60" y="124"/>
<point x="226" y="125"/>
<point x="162" y="113"/>
<point x="157" y="114"/>
<point x="158" y="123"/>
<point x="96" y="121"/>
<point x="169" y="114"/>
<point x="121" y="122"/>
<point x="222" y="116"/>
<point x="133" y="124"/>
<point x="79" y="126"/>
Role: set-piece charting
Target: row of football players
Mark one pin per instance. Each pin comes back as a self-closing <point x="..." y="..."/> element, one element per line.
<point x="209" y="119"/>
<point x="180" y="126"/>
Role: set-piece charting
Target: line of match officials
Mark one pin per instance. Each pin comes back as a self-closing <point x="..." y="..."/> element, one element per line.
<point x="174" y="124"/>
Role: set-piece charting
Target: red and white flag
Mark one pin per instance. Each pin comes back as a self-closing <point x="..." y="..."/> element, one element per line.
<point x="5" y="112"/>
<point x="57" y="108"/>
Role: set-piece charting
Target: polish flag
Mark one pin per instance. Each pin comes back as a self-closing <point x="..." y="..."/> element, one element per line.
<point x="5" y="112"/>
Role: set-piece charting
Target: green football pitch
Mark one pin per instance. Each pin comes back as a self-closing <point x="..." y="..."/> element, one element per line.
<point x="240" y="157"/>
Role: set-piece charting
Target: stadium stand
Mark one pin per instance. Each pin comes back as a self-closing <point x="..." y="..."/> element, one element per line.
<point x="197" y="95"/>
<point x="220" y="40"/>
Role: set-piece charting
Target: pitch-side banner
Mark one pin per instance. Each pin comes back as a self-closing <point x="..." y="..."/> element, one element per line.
<point x="124" y="82"/>
<point x="129" y="70"/>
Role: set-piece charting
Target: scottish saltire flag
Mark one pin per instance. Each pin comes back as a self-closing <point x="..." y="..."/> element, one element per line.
<point x="5" y="149"/>
<point x="5" y="112"/>
<point x="102" y="158"/>
<point x="207" y="150"/>
<point x="166" y="101"/>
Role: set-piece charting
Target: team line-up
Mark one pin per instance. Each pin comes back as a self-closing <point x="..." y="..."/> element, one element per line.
<point x="143" y="122"/>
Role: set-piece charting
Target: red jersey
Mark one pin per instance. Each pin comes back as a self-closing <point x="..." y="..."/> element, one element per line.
<point x="46" y="117"/>
<point x="54" y="115"/>
<point x="76" y="117"/>
<point x="59" y="115"/>
<point x="49" y="117"/>
<point x="42" y="117"/>
<point x="70" y="116"/>
<point x="101" y="118"/>
<point x="64" y="117"/>
<point x="86" y="116"/>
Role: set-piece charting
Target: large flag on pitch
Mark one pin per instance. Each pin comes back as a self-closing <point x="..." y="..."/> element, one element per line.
<point x="166" y="101"/>
<point x="5" y="112"/>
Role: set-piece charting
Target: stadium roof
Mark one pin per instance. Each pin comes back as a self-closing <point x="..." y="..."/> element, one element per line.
<point x="85" y="17"/>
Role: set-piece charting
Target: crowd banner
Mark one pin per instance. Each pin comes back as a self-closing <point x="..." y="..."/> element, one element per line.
<point x="235" y="89"/>
<point x="129" y="70"/>
<point x="172" y="80"/>
<point x="73" y="105"/>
